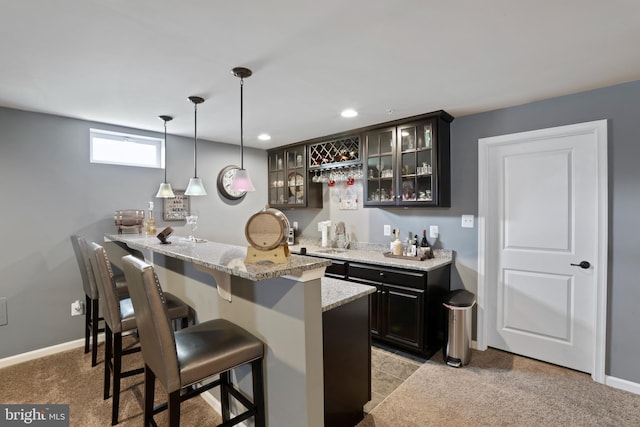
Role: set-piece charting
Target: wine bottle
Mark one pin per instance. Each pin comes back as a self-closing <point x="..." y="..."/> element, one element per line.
<point x="424" y="242"/>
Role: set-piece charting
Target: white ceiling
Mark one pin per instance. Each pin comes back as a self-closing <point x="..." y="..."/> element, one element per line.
<point x="127" y="61"/>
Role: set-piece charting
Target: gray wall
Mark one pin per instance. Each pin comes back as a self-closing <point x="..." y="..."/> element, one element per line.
<point x="618" y="104"/>
<point x="50" y="191"/>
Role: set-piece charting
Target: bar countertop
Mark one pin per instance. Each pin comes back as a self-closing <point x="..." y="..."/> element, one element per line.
<point x="221" y="257"/>
<point x="336" y="292"/>
<point x="376" y="257"/>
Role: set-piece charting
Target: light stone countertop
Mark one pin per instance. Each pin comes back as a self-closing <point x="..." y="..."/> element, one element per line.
<point x="336" y="292"/>
<point x="368" y="256"/>
<point x="221" y="257"/>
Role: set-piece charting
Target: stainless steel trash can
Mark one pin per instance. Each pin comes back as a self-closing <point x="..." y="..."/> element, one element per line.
<point x="458" y="349"/>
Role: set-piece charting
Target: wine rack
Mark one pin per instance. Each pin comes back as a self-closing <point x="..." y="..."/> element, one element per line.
<point x="336" y="152"/>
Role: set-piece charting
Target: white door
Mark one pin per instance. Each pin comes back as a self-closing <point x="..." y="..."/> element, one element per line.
<point x="542" y="218"/>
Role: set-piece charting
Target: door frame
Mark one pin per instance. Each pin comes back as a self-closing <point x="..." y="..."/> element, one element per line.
<point x="599" y="130"/>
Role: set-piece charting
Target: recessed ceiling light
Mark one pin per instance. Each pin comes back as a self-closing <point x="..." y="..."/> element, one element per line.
<point x="264" y="137"/>
<point x="349" y="113"/>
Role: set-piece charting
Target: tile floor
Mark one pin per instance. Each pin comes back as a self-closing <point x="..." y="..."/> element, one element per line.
<point x="389" y="369"/>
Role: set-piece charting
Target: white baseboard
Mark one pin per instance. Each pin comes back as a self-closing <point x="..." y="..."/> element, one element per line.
<point x="622" y="384"/>
<point x="42" y="352"/>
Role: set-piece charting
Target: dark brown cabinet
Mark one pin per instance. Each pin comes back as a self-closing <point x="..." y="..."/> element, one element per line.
<point x="288" y="180"/>
<point x="408" y="164"/>
<point x="397" y="305"/>
<point x="406" y="309"/>
<point x="347" y="362"/>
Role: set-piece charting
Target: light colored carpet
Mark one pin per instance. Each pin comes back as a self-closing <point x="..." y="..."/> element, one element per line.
<point x="68" y="378"/>
<point x="502" y="389"/>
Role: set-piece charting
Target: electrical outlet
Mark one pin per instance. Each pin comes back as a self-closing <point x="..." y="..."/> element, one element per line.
<point x="3" y="311"/>
<point x="387" y="230"/>
<point x="467" y="221"/>
<point x="433" y="231"/>
<point x="77" y="308"/>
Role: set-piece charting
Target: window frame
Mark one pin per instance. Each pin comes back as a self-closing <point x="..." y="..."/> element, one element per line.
<point x="158" y="143"/>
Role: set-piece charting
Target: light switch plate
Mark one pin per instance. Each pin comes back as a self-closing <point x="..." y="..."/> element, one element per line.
<point x="387" y="230"/>
<point x="467" y="221"/>
<point x="433" y="231"/>
<point x="295" y="225"/>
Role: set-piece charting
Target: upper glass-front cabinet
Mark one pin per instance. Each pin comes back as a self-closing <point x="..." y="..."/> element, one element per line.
<point x="288" y="179"/>
<point x="380" y="147"/>
<point x="408" y="165"/>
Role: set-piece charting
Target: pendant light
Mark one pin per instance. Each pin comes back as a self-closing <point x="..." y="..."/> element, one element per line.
<point x="165" y="191"/>
<point x="242" y="181"/>
<point x="195" y="187"/>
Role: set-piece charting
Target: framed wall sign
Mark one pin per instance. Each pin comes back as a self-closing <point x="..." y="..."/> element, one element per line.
<point x="176" y="208"/>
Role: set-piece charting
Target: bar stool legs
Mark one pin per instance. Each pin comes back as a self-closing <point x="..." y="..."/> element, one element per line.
<point x="258" y="392"/>
<point x="92" y="320"/>
<point x="254" y="409"/>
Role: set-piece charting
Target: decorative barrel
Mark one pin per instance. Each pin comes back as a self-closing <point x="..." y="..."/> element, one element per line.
<point x="267" y="229"/>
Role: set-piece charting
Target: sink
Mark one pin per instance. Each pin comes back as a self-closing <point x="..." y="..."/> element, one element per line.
<point x="332" y="251"/>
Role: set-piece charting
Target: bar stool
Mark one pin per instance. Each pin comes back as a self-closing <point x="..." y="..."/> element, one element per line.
<point x="91" y="315"/>
<point x="119" y="317"/>
<point x="182" y="359"/>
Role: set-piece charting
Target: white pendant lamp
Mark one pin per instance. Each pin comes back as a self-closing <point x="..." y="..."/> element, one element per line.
<point x="195" y="187"/>
<point x="165" y="191"/>
<point x="242" y="181"/>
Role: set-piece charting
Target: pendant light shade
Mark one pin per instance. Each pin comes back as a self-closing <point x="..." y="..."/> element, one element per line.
<point x="195" y="187"/>
<point x="242" y="181"/>
<point x="165" y="191"/>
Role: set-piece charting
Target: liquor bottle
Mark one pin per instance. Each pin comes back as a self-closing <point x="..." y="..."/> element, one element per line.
<point x="397" y="244"/>
<point x="424" y="242"/>
<point x="150" y="223"/>
<point x="393" y="238"/>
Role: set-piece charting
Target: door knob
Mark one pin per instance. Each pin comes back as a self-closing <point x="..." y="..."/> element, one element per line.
<point x="583" y="264"/>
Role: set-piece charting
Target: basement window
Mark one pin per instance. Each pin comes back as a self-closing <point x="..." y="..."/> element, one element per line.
<point x="115" y="148"/>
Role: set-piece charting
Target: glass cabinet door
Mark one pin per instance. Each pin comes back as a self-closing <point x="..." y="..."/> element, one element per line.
<point x="380" y="147"/>
<point x="401" y="165"/>
<point x="296" y="176"/>
<point x="276" y="178"/>
<point x="415" y="163"/>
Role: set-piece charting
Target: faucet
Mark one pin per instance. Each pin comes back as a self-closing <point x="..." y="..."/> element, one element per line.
<point x="323" y="226"/>
<point x="341" y="238"/>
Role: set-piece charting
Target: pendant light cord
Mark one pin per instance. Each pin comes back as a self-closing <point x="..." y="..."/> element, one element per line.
<point x="165" y="150"/>
<point x="195" y="140"/>
<point x="241" y="125"/>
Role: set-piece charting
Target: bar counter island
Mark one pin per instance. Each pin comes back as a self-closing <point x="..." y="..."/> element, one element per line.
<point x="303" y="319"/>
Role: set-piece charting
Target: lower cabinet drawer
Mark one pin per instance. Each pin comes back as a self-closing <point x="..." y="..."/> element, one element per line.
<point x="336" y="269"/>
<point x="410" y="279"/>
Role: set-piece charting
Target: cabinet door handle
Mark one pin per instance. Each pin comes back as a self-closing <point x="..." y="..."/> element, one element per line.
<point x="382" y="274"/>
